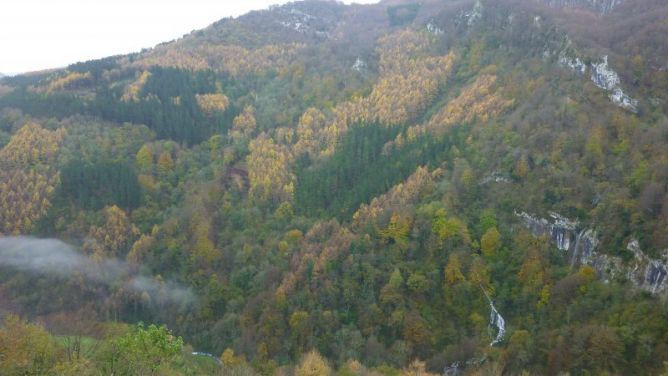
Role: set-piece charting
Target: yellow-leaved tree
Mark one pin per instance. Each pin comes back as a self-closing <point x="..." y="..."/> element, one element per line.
<point x="114" y="238"/>
<point x="269" y="171"/>
<point x="144" y="159"/>
<point x="212" y="103"/>
<point x="243" y="125"/>
<point x="490" y="241"/>
<point x="313" y="365"/>
<point x="26" y="349"/>
<point x="417" y="368"/>
<point x="27" y="180"/>
<point x="453" y="271"/>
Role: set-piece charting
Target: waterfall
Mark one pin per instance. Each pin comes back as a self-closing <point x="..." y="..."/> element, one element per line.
<point x="576" y="250"/>
<point x="495" y="319"/>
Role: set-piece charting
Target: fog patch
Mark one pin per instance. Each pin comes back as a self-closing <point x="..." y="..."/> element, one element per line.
<point x="57" y="258"/>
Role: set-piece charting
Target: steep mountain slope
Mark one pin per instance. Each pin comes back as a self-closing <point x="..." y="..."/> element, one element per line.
<point x="366" y="181"/>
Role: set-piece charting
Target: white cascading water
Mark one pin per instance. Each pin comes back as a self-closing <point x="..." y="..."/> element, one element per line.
<point x="495" y="319"/>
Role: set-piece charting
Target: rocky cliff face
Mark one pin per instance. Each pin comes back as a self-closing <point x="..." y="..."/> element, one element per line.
<point x="607" y="79"/>
<point x="601" y="74"/>
<point x="599" y="6"/>
<point x="561" y="230"/>
<point x="580" y="245"/>
<point x="469" y="18"/>
<point x="647" y="273"/>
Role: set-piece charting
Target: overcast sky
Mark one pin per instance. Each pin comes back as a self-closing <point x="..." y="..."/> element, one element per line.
<point x="42" y="34"/>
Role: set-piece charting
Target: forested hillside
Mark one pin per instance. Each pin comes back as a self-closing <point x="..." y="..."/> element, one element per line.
<point x="403" y="188"/>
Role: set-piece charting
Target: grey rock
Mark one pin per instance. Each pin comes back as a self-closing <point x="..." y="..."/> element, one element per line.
<point x="643" y="272"/>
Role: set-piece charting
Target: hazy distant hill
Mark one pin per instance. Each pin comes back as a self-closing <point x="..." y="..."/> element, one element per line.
<point x="369" y="181"/>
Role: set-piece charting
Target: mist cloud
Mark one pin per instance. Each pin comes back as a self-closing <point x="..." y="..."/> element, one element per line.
<point x="54" y="257"/>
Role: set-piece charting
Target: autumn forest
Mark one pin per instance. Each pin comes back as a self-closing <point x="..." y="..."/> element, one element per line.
<point x="452" y="187"/>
